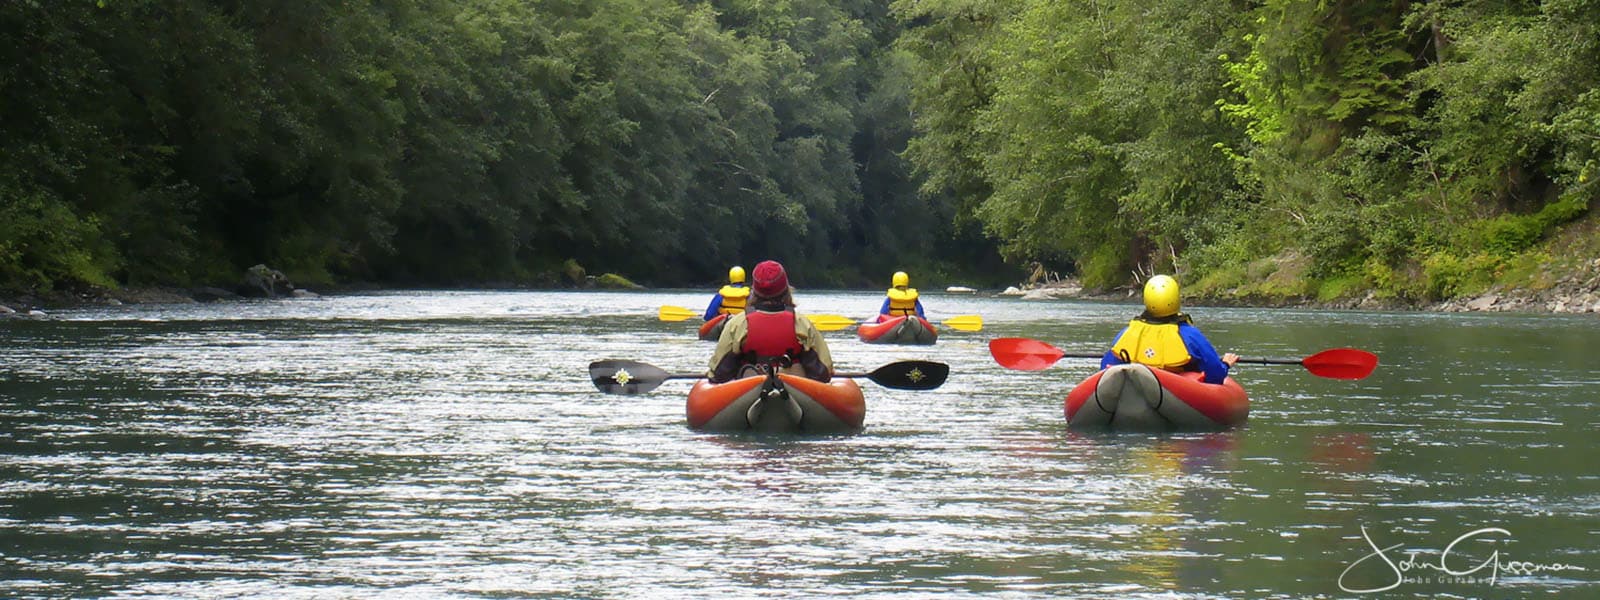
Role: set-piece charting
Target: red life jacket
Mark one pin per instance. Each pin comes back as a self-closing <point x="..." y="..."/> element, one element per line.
<point x="771" y="335"/>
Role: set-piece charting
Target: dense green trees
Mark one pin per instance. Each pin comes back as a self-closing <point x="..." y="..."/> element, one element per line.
<point x="1282" y="148"/>
<point x="1278" y="147"/>
<point x="455" y="141"/>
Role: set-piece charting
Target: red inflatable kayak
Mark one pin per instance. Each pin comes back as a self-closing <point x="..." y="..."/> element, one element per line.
<point x="910" y="329"/>
<point x="784" y="404"/>
<point x="1137" y="397"/>
<point x="712" y="329"/>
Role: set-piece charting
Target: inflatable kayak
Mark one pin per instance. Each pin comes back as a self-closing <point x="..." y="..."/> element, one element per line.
<point x="712" y="329"/>
<point x="777" y="404"/>
<point x="898" y="330"/>
<point x="1137" y="397"/>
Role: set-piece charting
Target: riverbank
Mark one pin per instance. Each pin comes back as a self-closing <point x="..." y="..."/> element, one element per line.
<point x="1565" y="287"/>
<point x="1549" y="289"/>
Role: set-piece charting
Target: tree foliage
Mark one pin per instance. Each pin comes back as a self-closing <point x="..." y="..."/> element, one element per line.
<point x="1402" y="144"/>
<point x="1417" y="147"/>
<point x="447" y="141"/>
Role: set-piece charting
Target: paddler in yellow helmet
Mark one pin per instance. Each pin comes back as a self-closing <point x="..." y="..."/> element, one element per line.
<point x="1164" y="338"/>
<point x="902" y="299"/>
<point x="731" y="298"/>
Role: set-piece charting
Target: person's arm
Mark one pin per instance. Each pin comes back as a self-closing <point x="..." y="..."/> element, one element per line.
<point x="725" y="359"/>
<point x="884" y="310"/>
<point x="1204" y="354"/>
<point x="919" y="309"/>
<point x="1110" y="359"/>
<point x="714" y="308"/>
<point x="815" y="357"/>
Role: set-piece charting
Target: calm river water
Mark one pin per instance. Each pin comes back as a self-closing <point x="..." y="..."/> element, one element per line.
<point x="449" y="444"/>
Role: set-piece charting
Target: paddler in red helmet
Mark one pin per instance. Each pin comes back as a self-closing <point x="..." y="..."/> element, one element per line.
<point x="770" y="331"/>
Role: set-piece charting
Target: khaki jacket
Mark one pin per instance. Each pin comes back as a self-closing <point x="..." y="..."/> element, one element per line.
<point x="737" y="327"/>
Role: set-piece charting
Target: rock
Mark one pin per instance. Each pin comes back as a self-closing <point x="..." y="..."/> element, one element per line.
<point x="1039" y="294"/>
<point x="6" y="310"/>
<point x="614" y="281"/>
<point x="1012" y="291"/>
<point x="262" y="281"/>
<point x="1484" y="302"/>
<point x="956" y="289"/>
<point x="298" y="293"/>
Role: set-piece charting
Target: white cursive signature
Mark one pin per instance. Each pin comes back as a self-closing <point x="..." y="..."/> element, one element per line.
<point x="1411" y="562"/>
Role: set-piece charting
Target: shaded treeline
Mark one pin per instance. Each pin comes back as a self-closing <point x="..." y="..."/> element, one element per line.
<point x="1276" y="149"/>
<point x="453" y="142"/>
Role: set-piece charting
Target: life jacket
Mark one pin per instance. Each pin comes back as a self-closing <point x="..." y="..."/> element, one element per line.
<point x="771" y="335"/>
<point x="1157" y="344"/>
<point x="902" y="302"/>
<point x="733" y="299"/>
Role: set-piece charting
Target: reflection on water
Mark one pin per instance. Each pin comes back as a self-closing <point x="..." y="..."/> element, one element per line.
<point x="449" y="444"/>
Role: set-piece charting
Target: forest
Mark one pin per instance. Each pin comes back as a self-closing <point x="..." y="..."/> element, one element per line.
<point x="1262" y="149"/>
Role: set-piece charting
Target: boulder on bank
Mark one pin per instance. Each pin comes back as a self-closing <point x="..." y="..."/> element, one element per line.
<point x="262" y="281"/>
<point x="613" y="281"/>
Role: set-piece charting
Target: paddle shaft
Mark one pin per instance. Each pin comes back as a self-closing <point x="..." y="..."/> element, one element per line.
<point x="1255" y="361"/>
<point x="1240" y="359"/>
<point x="703" y="376"/>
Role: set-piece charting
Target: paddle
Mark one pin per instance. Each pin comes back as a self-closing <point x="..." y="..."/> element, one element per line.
<point x="1024" y="354"/>
<point x="633" y="377"/>
<point x="676" y="313"/>
<point x="823" y="322"/>
<point x="964" y="323"/>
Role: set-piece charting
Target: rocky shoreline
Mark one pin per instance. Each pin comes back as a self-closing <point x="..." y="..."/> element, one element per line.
<point x="1574" y="293"/>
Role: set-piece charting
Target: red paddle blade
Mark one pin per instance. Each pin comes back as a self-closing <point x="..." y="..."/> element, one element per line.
<point x="1023" y="354"/>
<point x="1341" y="363"/>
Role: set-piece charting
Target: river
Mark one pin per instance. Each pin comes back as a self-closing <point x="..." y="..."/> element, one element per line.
<point x="449" y="444"/>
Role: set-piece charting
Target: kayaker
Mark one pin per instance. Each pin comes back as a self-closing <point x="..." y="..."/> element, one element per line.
<point x="770" y="331"/>
<point x="1164" y="338"/>
<point x="731" y="298"/>
<point x="902" y="299"/>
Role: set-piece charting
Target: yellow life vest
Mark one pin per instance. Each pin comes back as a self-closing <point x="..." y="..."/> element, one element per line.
<point x="902" y="302"/>
<point x="733" y="299"/>
<point x="1157" y="345"/>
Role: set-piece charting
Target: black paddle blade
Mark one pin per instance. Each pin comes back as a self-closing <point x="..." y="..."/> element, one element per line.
<point x="911" y="375"/>
<point x="625" y="376"/>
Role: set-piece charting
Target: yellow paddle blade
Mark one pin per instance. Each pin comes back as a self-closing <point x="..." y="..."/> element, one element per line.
<point x="965" y="323"/>
<point x="831" y="322"/>
<point x="676" y="313"/>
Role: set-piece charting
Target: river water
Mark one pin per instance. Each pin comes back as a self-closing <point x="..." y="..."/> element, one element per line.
<point x="449" y="444"/>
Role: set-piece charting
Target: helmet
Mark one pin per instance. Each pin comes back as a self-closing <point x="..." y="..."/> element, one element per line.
<point x="736" y="275"/>
<point x="1161" y="296"/>
<point x="901" y="279"/>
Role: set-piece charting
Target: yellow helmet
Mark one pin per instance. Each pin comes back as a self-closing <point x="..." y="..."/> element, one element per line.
<point x="736" y="275"/>
<point x="1161" y="296"/>
<point x="901" y="279"/>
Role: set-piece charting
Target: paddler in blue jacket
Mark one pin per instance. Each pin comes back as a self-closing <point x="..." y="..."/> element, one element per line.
<point x="769" y="332"/>
<point x="731" y="298"/>
<point x="1164" y="338"/>
<point x="902" y="299"/>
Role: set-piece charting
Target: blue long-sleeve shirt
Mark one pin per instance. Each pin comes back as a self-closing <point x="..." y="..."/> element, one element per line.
<point x="1201" y="354"/>
<point x="885" y="309"/>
